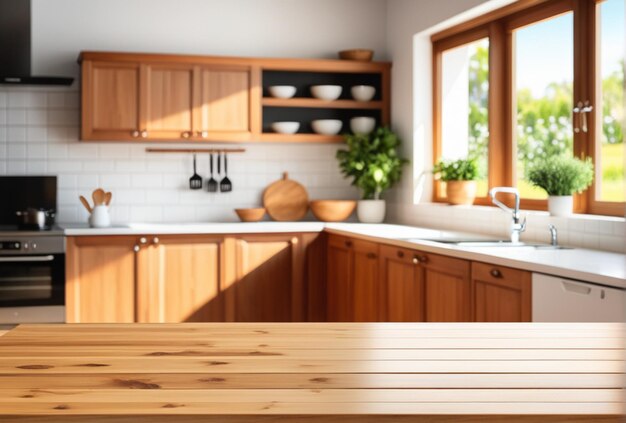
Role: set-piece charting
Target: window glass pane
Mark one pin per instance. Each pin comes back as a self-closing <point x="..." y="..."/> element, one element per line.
<point x="464" y="116"/>
<point x="543" y="69"/>
<point x="610" y="150"/>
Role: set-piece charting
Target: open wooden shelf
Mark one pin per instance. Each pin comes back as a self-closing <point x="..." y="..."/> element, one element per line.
<point x="274" y="137"/>
<point x="317" y="103"/>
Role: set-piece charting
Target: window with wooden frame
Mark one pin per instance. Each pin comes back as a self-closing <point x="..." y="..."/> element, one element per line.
<point x="534" y="79"/>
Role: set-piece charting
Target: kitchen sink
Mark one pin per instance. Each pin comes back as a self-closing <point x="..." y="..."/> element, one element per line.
<point x="490" y="243"/>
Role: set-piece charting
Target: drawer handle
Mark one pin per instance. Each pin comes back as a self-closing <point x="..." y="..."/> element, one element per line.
<point x="349" y="244"/>
<point x="400" y="253"/>
<point x="416" y="260"/>
<point x="136" y="248"/>
<point x="420" y="259"/>
<point x="495" y="273"/>
<point x="371" y="255"/>
<point x="576" y="288"/>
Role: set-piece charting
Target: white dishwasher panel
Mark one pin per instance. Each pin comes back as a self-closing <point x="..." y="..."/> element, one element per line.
<point x="563" y="300"/>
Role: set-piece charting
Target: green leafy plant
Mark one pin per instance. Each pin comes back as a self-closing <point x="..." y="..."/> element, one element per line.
<point x="456" y="170"/>
<point x="372" y="161"/>
<point x="561" y="175"/>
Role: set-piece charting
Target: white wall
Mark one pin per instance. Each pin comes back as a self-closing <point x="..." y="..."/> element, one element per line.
<point x="39" y="126"/>
<point x="410" y="24"/>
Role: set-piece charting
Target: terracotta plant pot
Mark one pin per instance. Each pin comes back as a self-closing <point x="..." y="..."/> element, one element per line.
<point x="461" y="192"/>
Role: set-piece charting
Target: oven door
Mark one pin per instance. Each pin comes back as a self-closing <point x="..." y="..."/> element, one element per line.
<point x="32" y="288"/>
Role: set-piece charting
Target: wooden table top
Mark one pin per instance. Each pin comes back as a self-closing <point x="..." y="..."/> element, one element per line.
<point x="369" y="372"/>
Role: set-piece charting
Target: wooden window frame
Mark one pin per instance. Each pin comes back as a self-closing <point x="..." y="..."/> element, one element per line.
<point x="498" y="26"/>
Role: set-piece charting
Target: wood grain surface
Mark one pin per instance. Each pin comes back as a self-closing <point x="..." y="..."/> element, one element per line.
<point x="286" y="200"/>
<point x="289" y="372"/>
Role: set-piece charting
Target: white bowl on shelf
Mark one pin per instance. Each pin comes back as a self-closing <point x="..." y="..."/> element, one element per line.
<point x="363" y="92"/>
<point x="286" y="127"/>
<point x="327" y="126"/>
<point x="326" y="92"/>
<point x="362" y="125"/>
<point x="282" y="91"/>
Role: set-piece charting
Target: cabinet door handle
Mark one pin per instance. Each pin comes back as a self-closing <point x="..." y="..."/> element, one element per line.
<point x="495" y="273"/>
<point x="400" y="253"/>
<point x="136" y="248"/>
<point x="422" y="259"/>
<point x="144" y="134"/>
<point x="135" y="134"/>
<point x="155" y="240"/>
<point x="186" y="134"/>
<point x="349" y="244"/>
<point x="203" y="134"/>
<point x="416" y="260"/>
<point x="143" y="240"/>
<point x="371" y="255"/>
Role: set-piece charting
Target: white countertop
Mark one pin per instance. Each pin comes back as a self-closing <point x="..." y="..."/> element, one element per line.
<point x="586" y="265"/>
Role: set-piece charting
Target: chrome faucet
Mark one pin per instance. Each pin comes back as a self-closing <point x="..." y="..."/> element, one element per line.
<point x="553" y="236"/>
<point x="517" y="227"/>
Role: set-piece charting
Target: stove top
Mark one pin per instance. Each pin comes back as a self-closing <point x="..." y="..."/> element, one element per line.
<point x="15" y="231"/>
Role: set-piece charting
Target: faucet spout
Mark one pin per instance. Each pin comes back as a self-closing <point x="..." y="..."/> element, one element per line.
<point x="517" y="227"/>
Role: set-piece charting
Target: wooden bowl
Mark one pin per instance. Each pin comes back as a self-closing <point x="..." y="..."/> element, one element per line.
<point x="251" y="215"/>
<point x="332" y="210"/>
<point x="359" y="54"/>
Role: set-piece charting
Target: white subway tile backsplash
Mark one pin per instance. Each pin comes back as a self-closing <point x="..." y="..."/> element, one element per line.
<point x="146" y="214"/>
<point x="36" y="150"/>
<point x="36" y="117"/>
<point x="36" y="134"/>
<point x="17" y="99"/>
<point x="89" y="181"/>
<point x="16" y="167"/>
<point x="147" y="180"/>
<point x="16" y="117"/>
<point x="16" y="151"/>
<point x="82" y="151"/>
<point x="64" y="166"/>
<point x="114" y="151"/>
<point x="115" y="180"/>
<point x="57" y="151"/>
<point x="56" y="100"/>
<point x="16" y="134"/>
<point x="3" y="116"/>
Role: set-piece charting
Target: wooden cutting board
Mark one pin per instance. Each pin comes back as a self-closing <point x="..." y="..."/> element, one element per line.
<point x="286" y="200"/>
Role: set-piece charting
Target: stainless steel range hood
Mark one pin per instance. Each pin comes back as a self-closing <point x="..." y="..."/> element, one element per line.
<point x="15" y="46"/>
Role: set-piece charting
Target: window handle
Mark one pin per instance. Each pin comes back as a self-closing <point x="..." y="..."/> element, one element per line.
<point x="586" y="109"/>
<point x="580" y="116"/>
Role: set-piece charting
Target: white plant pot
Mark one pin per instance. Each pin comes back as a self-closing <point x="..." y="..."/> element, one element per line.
<point x="560" y="205"/>
<point x="371" y="211"/>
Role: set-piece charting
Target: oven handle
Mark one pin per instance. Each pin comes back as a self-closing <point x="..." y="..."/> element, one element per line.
<point x="26" y="259"/>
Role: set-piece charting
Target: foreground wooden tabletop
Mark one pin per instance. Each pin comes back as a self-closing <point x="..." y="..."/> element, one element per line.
<point x="239" y="372"/>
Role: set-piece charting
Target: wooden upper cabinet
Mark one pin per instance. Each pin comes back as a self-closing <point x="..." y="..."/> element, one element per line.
<point x="110" y="100"/>
<point x="447" y="288"/>
<point x="266" y="283"/>
<point x="168" y="101"/>
<point x="222" y="103"/>
<point x="100" y="279"/>
<point x="501" y="294"/>
<point x="402" y="283"/>
<point x="179" y="279"/>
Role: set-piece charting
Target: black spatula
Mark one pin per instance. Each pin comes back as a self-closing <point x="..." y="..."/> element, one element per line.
<point x="211" y="185"/>
<point x="195" y="182"/>
<point x="225" y="184"/>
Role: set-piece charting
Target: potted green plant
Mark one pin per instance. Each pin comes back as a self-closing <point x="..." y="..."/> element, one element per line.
<point x="560" y="177"/>
<point x="460" y="178"/>
<point x="373" y="163"/>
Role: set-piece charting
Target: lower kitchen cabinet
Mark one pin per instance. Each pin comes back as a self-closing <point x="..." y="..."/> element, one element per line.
<point x="447" y="287"/>
<point x="402" y="283"/>
<point x="352" y="285"/>
<point x="267" y="282"/>
<point x="100" y="279"/>
<point x="501" y="294"/>
<point x="178" y="279"/>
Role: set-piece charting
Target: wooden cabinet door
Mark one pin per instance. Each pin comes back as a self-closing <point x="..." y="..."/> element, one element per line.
<point x="110" y="101"/>
<point x="339" y="285"/>
<point x="447" y="287"/>
<point x="178" y="279"/>
<point x="266" y="285"/>
<point x="402" y="282"/>
<point x="365" y="285"/>
<point x="100" y="279"/>
<point x="501" y="294"/>
<point x="168" y="101"/>
<point x="222" y="103"/>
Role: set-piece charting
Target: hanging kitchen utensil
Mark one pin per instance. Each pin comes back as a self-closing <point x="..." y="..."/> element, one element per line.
<point x="225" y="184"/>
<point x="85" y="203"/>
<point x="212" y="182"/>
<point x="195" y="182"/>
<point x="286" y="200"/>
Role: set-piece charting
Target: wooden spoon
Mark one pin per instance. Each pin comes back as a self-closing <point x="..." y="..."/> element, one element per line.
<point x="85" y="203"/>
<point x="107" y="198"/>
<point x="98" y="197"/>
